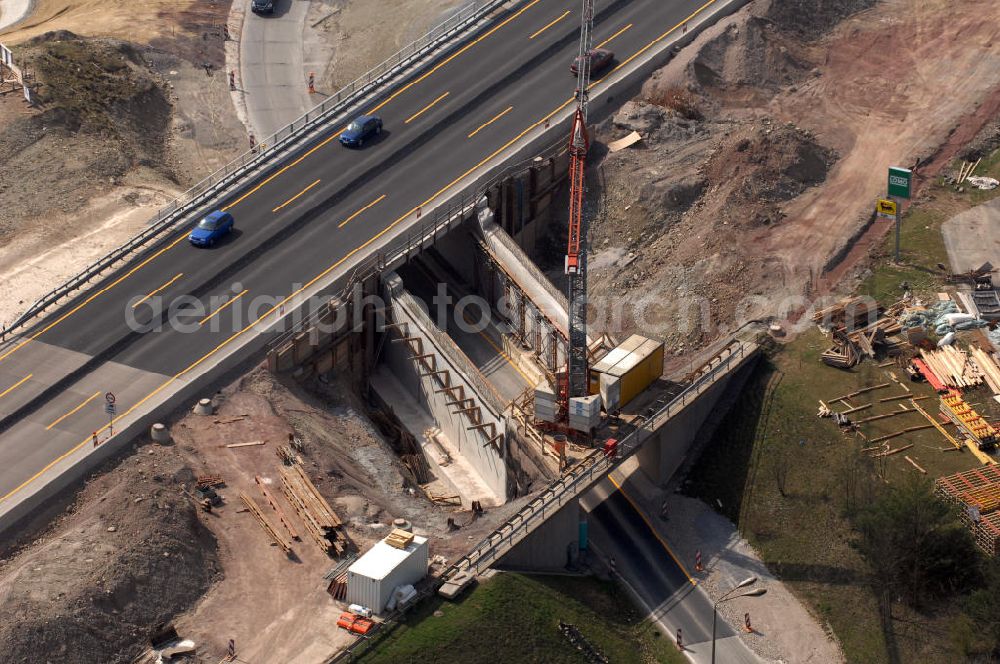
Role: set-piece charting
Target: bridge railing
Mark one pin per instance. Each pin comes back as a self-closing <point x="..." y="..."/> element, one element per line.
<point x="592" y="468"/>
<point x="266" y="152"/>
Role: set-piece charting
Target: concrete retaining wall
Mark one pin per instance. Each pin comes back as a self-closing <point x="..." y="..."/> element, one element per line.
<point x="489" y="460"/>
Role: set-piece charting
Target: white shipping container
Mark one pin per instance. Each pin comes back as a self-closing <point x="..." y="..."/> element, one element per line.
<point x="383" y="568"/>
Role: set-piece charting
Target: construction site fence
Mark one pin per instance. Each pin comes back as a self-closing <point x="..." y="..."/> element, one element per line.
<point x="270" y="149"/>
<point x="595" y="466"/>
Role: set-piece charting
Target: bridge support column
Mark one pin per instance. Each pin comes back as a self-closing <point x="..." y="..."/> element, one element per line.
<point x="553" y="548"/>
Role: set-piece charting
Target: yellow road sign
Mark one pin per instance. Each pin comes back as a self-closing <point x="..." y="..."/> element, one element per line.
<point x="885" y="208"/>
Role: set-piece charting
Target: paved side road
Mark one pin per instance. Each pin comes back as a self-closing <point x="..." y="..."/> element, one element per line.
<point x="272" y="76"/>
<point x="660" y="583"/>
<point x="973" y="237"/>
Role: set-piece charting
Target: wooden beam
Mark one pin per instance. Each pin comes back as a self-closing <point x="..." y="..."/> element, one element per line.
<point x="861" y="391"/>
<point x="464" y="410"/>
<point x="480" y="426"/>
<point x="902" y="396"/>
<point x="900" y="433"/>
<point x="914" y="464"/>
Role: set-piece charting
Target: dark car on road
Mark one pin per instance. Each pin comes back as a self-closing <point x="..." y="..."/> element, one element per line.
<point x="211" y="229"/>
<point x="262" y="6"/>
<point x="600" y="59"/>
<point x="361" y="130"/>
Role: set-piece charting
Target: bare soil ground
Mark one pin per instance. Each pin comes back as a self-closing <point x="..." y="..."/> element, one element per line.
<point x="276" y="608"/>
<point x="119" y="130"/>
<point x="765" y="145"/>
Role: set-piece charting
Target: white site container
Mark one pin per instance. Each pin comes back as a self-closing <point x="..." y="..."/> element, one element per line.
<point x="383" y="568"/>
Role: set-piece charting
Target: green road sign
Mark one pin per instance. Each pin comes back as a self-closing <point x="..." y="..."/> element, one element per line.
<point x="899" y="181"/>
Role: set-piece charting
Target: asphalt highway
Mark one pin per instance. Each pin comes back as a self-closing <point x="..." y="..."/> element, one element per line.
<point x="325" y="205"/>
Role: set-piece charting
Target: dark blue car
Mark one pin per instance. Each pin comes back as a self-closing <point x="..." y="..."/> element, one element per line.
<point x="362" y="129"/>
<point x="211" y="229"/>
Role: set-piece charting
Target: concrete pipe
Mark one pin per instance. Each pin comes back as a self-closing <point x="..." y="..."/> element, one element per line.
<point x="402" y="524"/>
<point x="204" y="407"/>
<point x="160" y="433"/>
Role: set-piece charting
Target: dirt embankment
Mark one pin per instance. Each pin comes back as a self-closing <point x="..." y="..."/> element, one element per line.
<point x="102" y="114"/>
<point x="128" y="554"/>
<point x="764" y="146"/>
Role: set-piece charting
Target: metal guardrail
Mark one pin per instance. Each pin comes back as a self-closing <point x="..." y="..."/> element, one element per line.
<point x="436" y="222"/>
<point x="590" y="469"/>
<point x="270" y="147"/>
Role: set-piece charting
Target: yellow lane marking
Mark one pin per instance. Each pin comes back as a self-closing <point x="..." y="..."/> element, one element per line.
<point x="15" y="386"/>
<point x="337" y="264"/>
<point x="388" y="99"/>
<point x="173" y="243"/>
<point x="372" y="204"/>
<point x="608" y="40"/>
<point x="662" y="541"/>
<point x="425" y="108"/>
<point x="228" y="302"/>
<point x="495" y="118"/>
<point x="176" y="277"/>
<point x="293" y="198"/>
<point x="93" y="297"/>
<point x="654" y="42"/>
<point x="63" y="417"/>
<point x="538" y="32"/>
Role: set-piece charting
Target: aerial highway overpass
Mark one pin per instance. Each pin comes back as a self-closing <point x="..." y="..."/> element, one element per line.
<point x="299" y="225"/>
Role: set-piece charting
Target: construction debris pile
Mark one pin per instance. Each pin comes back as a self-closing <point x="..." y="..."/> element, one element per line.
<point x="859" y="328"/>
<point x="976" y="493"/>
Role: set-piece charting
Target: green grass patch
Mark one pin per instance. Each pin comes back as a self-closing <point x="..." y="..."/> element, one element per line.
<point x="515" y="618"/>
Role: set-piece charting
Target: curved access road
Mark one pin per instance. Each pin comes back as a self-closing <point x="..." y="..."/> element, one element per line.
<point x="272" y="75"/>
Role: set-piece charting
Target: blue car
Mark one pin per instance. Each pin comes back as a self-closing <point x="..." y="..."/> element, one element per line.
<point x="211" y="229"/>
<point x="362" y="129"/>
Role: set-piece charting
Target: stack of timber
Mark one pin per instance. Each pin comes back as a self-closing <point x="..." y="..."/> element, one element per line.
<point x="988" y="366"/>
<point x="322" y="523"/>
<point x="399" y="538"/>
<point x="852" y="314"/>
<point x="953" y="367"/>
<point x="968" y="420"/>
<point x="843" y="354"/>
<point x="264" y="523"/>
<point x="977" y="494"/>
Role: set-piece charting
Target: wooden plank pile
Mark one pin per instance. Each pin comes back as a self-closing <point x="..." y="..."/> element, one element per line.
<point x="860" y="328"/>
<point x="988" y="366"/>
<point x="852" y="313"/>
<point x="844" y="354"/>
<point x="399" y="538"/>
<point x="264" y="523"/>
<point x="322" y="523"/>
<point x="953" y="367"/>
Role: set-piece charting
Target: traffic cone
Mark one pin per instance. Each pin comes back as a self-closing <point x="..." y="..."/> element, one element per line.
<point x="697" y="561"/>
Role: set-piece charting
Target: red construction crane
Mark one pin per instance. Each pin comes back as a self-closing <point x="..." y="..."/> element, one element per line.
<point x="576" y="249"/>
